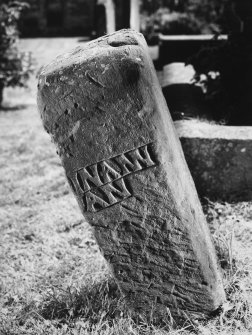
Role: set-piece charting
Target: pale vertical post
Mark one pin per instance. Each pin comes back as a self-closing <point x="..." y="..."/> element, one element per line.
<point x="110" y="16"/>
<point x="135" y="15"/>
<point x="104" y="108"/>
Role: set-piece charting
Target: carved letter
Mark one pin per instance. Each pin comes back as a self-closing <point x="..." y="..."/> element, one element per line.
<point x="134" y="160"/>
<point x="88" y="180"/>
<point x="116" y="191"/>
<point x="93" y="202"/>
<point x="107" y="173"/>
<point x="113" y="193"/>
<point x="125" y="165"/>
<point x="141" y="158"/>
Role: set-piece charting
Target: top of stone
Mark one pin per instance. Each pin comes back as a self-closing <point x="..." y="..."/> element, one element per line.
<point x="81" y="54"/>
<point x="199" y="129"/>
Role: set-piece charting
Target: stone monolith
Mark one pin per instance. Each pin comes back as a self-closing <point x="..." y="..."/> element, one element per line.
<point x="105" y="111"/>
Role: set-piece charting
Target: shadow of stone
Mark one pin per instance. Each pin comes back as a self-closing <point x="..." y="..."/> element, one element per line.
<point x="6" y="108"/>
<point x="84" y="39"/>
<point x="92" y="303"/>
<point x="185" y="101"/>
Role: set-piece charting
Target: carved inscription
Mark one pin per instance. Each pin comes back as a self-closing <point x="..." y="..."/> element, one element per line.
<point x="103" y="184"/>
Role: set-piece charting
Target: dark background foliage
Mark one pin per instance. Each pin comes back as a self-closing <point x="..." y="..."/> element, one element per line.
<point x="15" y="67"/>
<point x="185" y="17"/>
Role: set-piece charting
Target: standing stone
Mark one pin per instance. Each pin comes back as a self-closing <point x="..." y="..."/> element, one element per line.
<point x="105" y="111"/>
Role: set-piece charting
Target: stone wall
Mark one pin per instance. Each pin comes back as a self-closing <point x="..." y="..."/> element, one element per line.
<point x="219" y="158"/>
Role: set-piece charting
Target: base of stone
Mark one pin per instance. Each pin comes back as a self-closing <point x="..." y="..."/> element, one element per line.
<point x="219" y="158"/>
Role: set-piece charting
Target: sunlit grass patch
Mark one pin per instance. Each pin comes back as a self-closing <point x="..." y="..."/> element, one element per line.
<point x="95" y="309"/>
<point x="233" y="241"/>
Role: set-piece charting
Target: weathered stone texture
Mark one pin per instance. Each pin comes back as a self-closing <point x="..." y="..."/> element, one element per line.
<point x="105" y="111"/>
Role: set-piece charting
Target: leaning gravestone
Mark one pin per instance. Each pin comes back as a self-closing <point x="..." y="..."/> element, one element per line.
<point x="104" y="109"/>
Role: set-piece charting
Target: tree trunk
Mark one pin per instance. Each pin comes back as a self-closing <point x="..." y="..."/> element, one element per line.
<point x="42" y="20"/>
<point x="243" y="9"/>
<point x="64" y="8"/>
<point x="122" y="14"/>
<point x="1" y="94"/>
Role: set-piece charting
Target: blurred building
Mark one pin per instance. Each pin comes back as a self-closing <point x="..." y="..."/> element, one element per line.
<point x="58" y="18"/>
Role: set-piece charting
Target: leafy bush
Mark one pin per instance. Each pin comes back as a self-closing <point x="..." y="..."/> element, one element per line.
<point x="169" y="23"/>
<point x="225" y="74"/>
<point x="15" y="66"/>
<point x="172" y="17"/>
<point x="209" y="14"/>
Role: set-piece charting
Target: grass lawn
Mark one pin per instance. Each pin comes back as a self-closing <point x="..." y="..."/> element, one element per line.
<point x="53" y="279"/>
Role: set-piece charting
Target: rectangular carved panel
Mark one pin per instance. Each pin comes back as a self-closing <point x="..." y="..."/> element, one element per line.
<point x="103" y="184"/>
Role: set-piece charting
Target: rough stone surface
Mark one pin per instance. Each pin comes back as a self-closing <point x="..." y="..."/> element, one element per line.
<point x="219" y="158"/>
<point x="105" y="111"/>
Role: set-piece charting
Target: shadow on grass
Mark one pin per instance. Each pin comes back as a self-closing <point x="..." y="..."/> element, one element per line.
<point x="95" y="305"/>
<point x="91" y="303"/>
